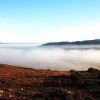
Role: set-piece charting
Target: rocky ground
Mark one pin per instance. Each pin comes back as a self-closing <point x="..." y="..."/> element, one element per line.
<point x="17" y="83"/>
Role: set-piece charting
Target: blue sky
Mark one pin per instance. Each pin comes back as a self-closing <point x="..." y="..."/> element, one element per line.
<point x="49" y="20"/>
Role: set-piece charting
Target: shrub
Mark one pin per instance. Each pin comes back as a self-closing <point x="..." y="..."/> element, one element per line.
<point x="72" y="71"/>
<point x="77" y="79"/>
<point x="91" y="70"/>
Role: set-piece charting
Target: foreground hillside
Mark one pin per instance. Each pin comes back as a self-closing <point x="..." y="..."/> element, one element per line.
<point x="17" y="83"/>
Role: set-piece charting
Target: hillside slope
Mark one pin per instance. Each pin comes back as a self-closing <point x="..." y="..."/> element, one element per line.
<point x="17" y="83"/>
<point x="85" y="42"/>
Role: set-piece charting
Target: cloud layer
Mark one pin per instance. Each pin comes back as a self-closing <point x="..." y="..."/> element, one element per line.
<point x="54" y="58"/>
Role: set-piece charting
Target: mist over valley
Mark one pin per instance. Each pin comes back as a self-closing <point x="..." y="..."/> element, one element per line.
<point x="66" y="57"/>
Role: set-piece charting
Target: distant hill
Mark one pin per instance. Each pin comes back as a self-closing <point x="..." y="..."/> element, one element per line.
<point x="85" y="42"/>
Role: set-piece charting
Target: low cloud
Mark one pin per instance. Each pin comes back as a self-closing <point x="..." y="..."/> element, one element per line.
<point x="51" y="58"/>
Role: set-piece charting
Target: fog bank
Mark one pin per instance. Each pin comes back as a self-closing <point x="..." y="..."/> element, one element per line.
<point x="51" y="58"/>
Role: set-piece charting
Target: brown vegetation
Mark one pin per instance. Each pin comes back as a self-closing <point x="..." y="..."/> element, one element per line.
<point x="17" y="83"/>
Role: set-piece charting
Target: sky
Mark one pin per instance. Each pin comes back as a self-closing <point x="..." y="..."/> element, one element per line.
<point x="40" y="21"/>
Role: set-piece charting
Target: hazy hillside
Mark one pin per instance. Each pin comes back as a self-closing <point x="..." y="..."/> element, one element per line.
<point x="85" y="42"/>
